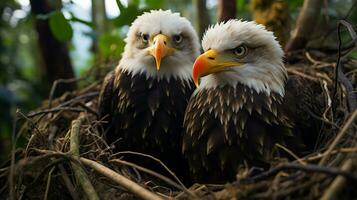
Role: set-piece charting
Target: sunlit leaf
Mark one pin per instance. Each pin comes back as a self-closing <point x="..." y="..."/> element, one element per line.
<point x="60" y="27"/>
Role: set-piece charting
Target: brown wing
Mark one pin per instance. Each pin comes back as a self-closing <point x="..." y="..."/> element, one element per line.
<point x="106" y="96"/>
<point x="230" y="127"/>
<point x="303" y="103"/>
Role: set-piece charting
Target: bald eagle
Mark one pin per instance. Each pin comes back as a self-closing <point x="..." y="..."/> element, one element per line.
<point x="145" y="98"/>
<point x="244" y="104"/>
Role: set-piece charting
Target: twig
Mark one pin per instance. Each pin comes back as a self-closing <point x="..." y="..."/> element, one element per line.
<point x="350" y="10"/>
<point x="339" y="136"/>
<point x="32" y="124"/>
<point x="306" y="168"/>
<point x="68" y="183"/>
<point x="342" y="150"/>
<point x="12" y="165"/>
<point x="128" y="184"/>
<point x="311" y="78"/>
<point x="89" y="95"/>
<point x="291" y="153"/>
<point x="90" y="110"/>
<point x="153" y="173"/>
<point x="79" y="172"/>
<point x="351" y="97"/>
<point x="333" y="190"/>
<point x="54" y="86"/>
<point x="339" y="75"/>
<point x="317" y="64"/>
<point x="155" y="159"/>
<point x="48" y="182"/>
<point x="55" y="110"/>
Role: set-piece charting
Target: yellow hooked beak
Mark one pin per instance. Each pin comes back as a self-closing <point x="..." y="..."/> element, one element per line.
<point x="160" y="49"/>
<point x="211" y="62"/>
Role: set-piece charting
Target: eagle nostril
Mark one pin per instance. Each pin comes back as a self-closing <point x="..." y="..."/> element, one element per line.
<point x="211" y="58"/>
<point x="165" y="42"/>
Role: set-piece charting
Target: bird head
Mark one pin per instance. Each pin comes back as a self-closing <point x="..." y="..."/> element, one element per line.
<point x="241" y="52"/>
<point x="161" y="44"/>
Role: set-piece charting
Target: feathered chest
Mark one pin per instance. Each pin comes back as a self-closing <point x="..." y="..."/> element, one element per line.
<point x="227" y="127"/>
<point x="231" y="110"/>
<point x="150" y="109"/>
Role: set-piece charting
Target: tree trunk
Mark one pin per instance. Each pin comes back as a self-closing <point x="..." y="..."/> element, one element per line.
<point x="56" y="63"/>
<point x="305" y="25"/>
<point x="99" y="19"/>
<point x="274" y="15"/>
<point x="202" y="16"/>
<point x="227" y="9"/>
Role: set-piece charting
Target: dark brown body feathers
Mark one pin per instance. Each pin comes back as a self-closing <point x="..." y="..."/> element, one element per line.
<point x="146" y="115"/>
<point x="229" y="127"/>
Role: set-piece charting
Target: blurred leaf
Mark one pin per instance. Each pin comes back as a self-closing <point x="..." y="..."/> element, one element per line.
<point x="240" y="5"/>
<point x="127" y="15"/>
<point x="120" y="5"/>
<point x="155" y="4"/>
<point x="294" y="4"/>
<point x="111" y="46"/>
<point x="60" y="27"/>
<point x="76" y="19"/>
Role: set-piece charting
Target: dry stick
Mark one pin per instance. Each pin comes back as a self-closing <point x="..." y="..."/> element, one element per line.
<point x="79" y="172"/>
<point x="306" y="76"/>
<point x="306" y="168"/>
<point x="48" y="182"/>
<point x="339" y="75"/>
<point x="291" y="153"/>
<point x="12" y="165"/>
<point x="156" y="160"/>
<point x="153" y="173"/>
<point x="55" y="110"/>
<point x="342" y="150"/>
<point x="128" y="184"/>
<point x="337" y="184"/>
<point x="70" y="80"/>
<point x="339" y="136"/>
<point x="68" y="183"/>
<point x="89" y="95"/>
<point x="54" y="86"/>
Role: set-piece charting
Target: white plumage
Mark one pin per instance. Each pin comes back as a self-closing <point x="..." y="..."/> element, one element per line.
<point x="263" y="69"/>
<point x="178" y="65"/>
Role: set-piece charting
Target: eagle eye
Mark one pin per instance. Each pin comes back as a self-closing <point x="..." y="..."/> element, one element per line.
<point x="145" y="37"/>
<point x="177" y="38"/>
<point x="240" y="51"/>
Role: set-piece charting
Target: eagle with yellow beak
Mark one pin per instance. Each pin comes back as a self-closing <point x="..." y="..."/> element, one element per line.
<point x="244" y="104"/>
<point x="145" y="98"/>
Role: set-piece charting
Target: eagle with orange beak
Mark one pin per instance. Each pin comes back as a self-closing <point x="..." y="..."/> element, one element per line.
<point x="144" y="100"/>
<point x="244" y="104"/>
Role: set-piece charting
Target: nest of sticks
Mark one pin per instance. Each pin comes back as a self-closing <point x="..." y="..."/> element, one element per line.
<point x="66" y="156"/>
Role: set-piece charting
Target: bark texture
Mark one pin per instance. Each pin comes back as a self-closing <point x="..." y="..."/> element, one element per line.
<point x="227" y="9"/>
<point x="56" y="63"/>
<point x="305" y="25"/>
<point x="203" y="19"/>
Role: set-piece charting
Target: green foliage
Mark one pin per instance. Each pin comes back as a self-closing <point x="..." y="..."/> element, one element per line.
<point x="60" y="26"/>
<point x="111" y="46"/>
<point x="155" y="4"/>
<point x="295" y="4"/>
<point x="127" y="15"/>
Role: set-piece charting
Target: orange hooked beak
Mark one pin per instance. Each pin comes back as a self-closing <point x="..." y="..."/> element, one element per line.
<point x="211" y="62"/>
<point x="160" y="49"/>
